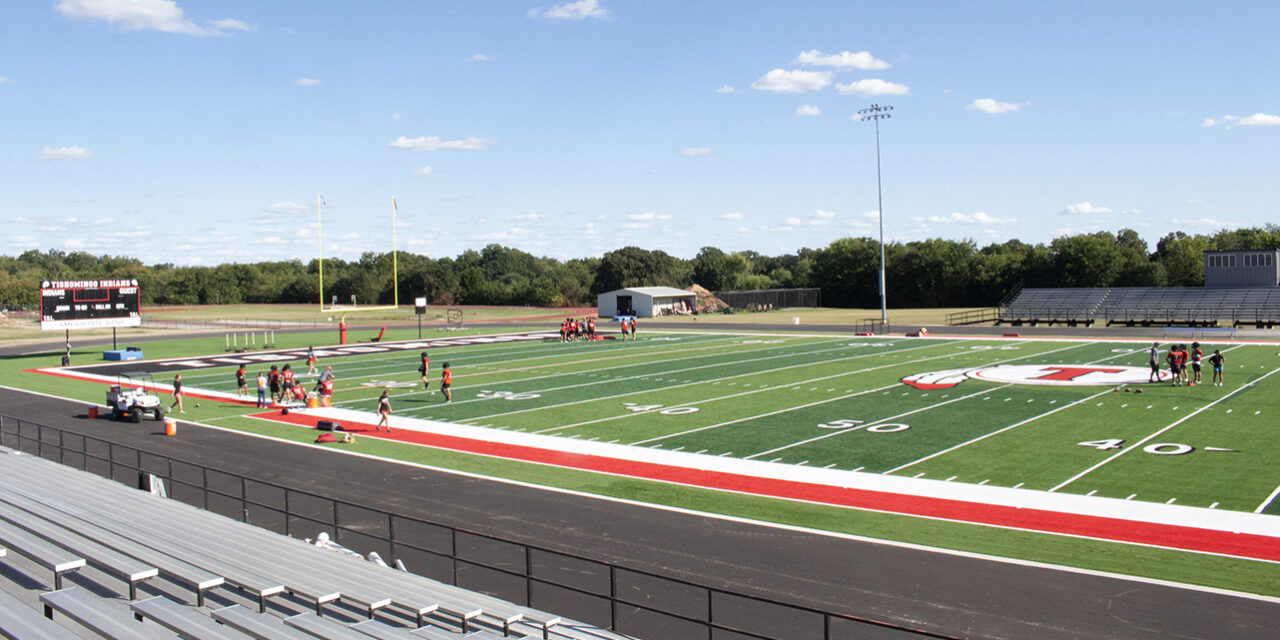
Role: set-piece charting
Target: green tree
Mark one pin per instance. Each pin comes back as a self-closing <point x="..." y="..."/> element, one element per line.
<point x="1087" y="260"/>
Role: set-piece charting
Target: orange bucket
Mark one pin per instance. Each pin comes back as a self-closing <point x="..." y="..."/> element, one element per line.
<point x="313" y="402"/>
<point x="170" y="427"/>
<point x="324" y="401"/>
<point x="93" y="412"/>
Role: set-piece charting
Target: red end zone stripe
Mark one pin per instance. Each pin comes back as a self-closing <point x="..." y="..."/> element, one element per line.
<point x="1096" y="527"/>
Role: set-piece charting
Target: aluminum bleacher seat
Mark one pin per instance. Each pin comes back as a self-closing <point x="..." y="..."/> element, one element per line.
<point x="262" y="626"/>
<point x="18" y="621"/>
<point x="96" y="614"/>
<point x="131" y="570"/>
<point x="137" y="523"/>
<point x="184" y="620"/>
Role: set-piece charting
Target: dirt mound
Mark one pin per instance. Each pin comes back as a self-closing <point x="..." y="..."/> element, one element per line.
<point x="707" y="301"/>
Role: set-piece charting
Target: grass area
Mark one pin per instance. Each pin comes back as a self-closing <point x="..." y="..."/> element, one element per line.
<point x="819" y="401"/>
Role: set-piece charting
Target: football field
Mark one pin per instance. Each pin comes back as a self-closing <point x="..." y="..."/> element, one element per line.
<point x="1029" y="436"/>
<point x="1036" y="414"/>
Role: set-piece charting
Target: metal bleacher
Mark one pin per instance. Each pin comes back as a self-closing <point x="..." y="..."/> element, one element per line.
<point x="1145" y="306"/>
<point x="142" y="566"/>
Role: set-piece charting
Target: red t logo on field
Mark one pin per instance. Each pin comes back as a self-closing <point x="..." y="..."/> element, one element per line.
<point x="1071" y="373"/>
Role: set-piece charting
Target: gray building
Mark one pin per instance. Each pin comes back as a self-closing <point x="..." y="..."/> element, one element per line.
<point x="1244" y="268"/>
<point x="645" y="302"/>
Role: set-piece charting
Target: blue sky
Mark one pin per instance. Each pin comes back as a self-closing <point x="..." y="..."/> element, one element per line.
<point x="201" y="132"/>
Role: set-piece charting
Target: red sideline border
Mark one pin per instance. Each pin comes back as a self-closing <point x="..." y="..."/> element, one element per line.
<point x="1242" y="545"/>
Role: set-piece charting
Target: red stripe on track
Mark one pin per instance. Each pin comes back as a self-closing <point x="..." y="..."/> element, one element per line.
<point x="1242" y="545"/>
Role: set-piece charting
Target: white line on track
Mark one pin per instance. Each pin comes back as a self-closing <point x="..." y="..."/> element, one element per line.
<point x="1162" y="430"/>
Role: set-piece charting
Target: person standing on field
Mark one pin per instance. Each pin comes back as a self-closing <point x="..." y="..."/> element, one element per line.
<point x="177" y="394"/>
<point x="1155" y="362"/>
<point x="262" y="390"/>
<point x="446" y="381"/>
<point x="423" y="367"/>
<point x="384" y="412"/>
<point x="1216" y="361"/>
<point x="242" y="385"/>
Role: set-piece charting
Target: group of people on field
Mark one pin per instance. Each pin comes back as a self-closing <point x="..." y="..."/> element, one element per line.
<point x="1178" y="357"/>
<point x="573" y="329"/>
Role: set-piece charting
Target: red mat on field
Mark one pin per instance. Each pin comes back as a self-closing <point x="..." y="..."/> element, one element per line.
<point x="1242" y="545"/>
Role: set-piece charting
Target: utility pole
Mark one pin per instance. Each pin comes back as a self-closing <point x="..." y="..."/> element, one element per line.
<point x="877" y="113"/>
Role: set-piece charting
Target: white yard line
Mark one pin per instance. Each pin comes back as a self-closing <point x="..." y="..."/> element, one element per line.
<point x="707" y="381"/>
<point x="667" y="372"/>
<point x="996" y="432"/>
<point x="876" y="422"/>
<point x="1162" y="430"/>
<point x="1265" y="503"/>
<point x="1012" y="426"/>
<point x="681" y="433"/>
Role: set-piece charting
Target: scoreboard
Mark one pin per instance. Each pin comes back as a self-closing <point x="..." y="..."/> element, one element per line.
<point x="86" y="304"/>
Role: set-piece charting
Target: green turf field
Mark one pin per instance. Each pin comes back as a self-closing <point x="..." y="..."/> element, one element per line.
<point x="838" y="402"/>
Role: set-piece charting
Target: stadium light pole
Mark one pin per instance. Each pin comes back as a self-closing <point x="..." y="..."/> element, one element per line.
<point x="877" y="113"/>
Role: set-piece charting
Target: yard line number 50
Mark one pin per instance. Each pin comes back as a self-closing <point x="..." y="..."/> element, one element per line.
<point x="882" y="427"/>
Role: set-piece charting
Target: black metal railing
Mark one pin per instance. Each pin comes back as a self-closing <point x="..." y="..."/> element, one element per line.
<point x="630" y="601"/>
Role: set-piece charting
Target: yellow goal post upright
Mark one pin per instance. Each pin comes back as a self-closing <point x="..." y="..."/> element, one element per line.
<point x="395" y="267"/>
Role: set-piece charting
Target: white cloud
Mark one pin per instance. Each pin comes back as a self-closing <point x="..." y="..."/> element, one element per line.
<point x="307" y="82"/>
<point x="1255" y="120"/>
<point x="843" y="61"/>
<point x="74" y="152"/>
<point x="102" y="221"/>
<point x="579" y="10"/>
<point x="287" y="207"/>
<point x="525" y="217"/>
<point x="1084" y="209"/>
<point x="873" y="87"/>
<point x="695" y="151"/>
<point x="783" y="81"/>
<point x="822" y="214"/>
<point x="793" y="222"/>
<point x="1210" y="223"/>
<point x="231" y="24"/>
<point x="147" y="15"/>
<point x="993" y="107"/>
<point x="434" y="143"/>
<point x="732" y="215"/>
<point x="726" y="89"/>
<point x="424" y="171"/>
<point x="648" y="216"/>
<point x="967" y="218"/>
<point x="395" y="116"/>
<point x="808" y="110"/>
<point x="480" y="57"/>
<point x="7" y="80"/>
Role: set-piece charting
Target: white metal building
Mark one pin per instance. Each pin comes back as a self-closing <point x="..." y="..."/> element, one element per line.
<point x="645" y="302"/>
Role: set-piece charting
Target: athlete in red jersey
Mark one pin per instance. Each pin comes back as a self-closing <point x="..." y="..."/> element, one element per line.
<point x="446" y="380"/>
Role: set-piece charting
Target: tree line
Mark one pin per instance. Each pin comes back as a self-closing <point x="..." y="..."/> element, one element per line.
<point x="926" y="273"/>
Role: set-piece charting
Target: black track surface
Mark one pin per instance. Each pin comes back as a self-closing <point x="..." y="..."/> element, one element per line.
<point x="960" y="596"/>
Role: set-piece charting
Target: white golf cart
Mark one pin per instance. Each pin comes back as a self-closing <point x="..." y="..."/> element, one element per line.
<point x="132" y="396"/>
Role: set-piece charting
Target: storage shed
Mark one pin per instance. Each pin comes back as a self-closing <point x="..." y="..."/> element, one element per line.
<point x="645" y="302"/>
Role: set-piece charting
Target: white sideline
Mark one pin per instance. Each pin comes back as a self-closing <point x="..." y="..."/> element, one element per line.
<point x="1176" y="515"/>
